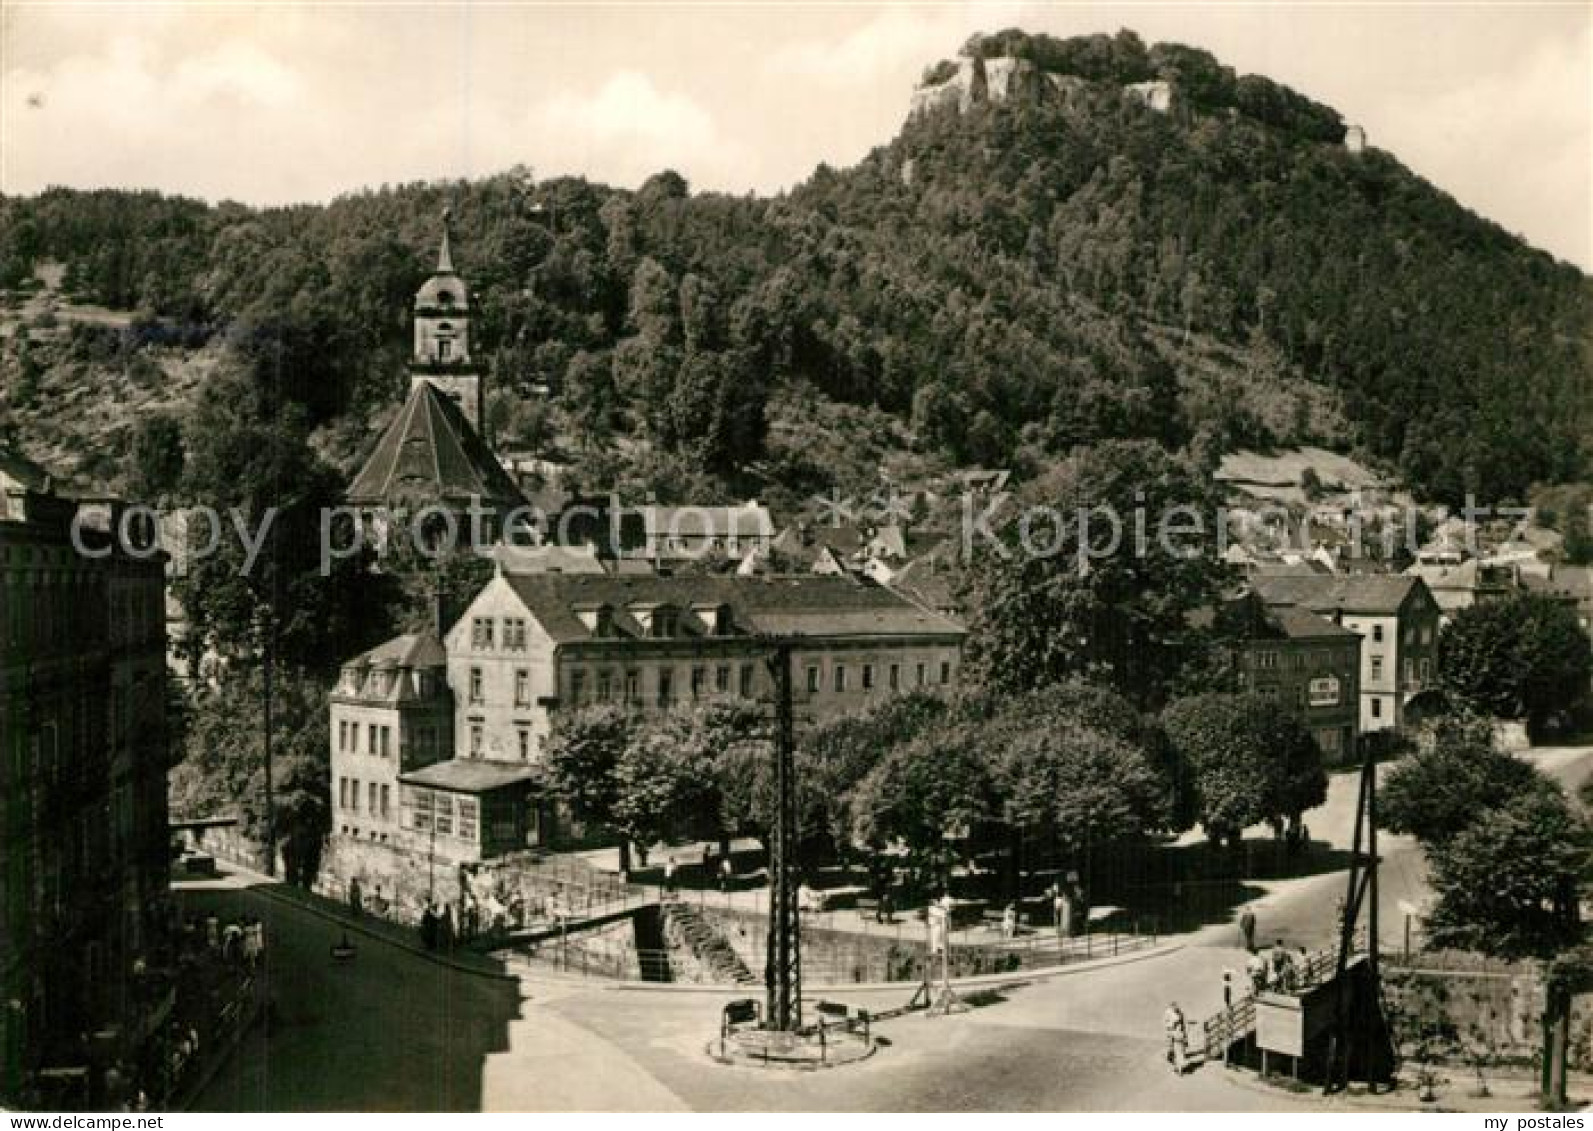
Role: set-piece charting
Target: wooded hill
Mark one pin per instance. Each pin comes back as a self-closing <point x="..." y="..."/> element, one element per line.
<point x="993" y="286"/>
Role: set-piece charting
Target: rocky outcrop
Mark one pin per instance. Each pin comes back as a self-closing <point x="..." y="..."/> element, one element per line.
<point x="979" y="81"/>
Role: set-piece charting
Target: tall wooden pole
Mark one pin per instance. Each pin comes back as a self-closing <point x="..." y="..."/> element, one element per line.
<point x="783" y="968"/>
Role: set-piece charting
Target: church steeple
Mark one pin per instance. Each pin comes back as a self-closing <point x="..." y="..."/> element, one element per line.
<point x="445" y="255"/>
<point x="442" y="334"/>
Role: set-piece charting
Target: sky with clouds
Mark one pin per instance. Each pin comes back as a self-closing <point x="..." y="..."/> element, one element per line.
<point x="284" y="102"/>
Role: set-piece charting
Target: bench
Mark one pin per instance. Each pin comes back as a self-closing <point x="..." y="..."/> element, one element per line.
<point x="739" y="1014"/>
<point x="839" y="1015"/>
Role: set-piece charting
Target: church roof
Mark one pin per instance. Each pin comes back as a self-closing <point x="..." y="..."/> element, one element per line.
<point x="430" y="453"/>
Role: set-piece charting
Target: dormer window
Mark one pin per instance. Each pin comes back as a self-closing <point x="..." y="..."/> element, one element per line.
<point x="598" y="619"/>
<point x="714" y="619"/>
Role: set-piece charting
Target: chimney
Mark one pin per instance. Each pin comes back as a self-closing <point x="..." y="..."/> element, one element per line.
<point x="439" y="610"/>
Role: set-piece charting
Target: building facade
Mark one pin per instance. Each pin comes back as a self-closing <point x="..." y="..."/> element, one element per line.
<point x="1305" y="663"/>
<point x="532" y="645"/>
<point x="84" y="838"/>
<point x="1398" y="621"/>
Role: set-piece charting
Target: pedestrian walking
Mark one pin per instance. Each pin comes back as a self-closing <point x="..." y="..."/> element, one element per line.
<point x="1009" y="922"/>
<point x="1177" y="1031"/>
<point x="1227" y="989"/>
<point x="1061" y="913"/>
<point x="727" y="872"/>
<point x="1247" y="929"/>
<point x="669" y="876"/>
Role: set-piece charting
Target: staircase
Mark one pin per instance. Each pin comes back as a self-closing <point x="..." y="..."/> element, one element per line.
<point x="1226" y="1028"/>
<point x="718" y="961"/>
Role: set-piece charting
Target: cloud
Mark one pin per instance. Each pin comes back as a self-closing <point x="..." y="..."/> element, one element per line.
<point x="628" y="129"/>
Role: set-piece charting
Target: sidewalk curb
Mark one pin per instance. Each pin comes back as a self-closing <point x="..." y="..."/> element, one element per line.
<point x="1003" y="979"/>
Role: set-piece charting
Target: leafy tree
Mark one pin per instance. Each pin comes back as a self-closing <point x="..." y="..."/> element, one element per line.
<point x="1248" y="763"/>
<point x="1524" y="657"/>
<point x="1437" y="791"/>
<point x="1507" y="883"/>
<point x="1063" y="596"/>
<point x="223" y="769"/>
<point x="927" y="793"/>
<point x="157" y="456"/>
<point x="834" y="757"/>
<point x="581" y="762"/>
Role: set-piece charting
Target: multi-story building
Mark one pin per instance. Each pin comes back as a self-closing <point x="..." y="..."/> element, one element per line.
<point x="391" y="714"/>
<point x="1305" y="663"/>
<point x="532" y="645"/>
<point x="1398" y="622"/>
<point x="84" y="841"/>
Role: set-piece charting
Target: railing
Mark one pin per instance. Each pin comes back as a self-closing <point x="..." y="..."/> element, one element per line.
<point x="1226" y="1028"/>
<point x="903" y="963"/>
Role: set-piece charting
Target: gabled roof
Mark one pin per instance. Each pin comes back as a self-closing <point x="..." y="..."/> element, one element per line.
<point x="412" y="650"/>
<point x="1355" y="593"/>
<point x="803" y="605"/>
<point x="748" y="520"/>
<point x="430" y="453"/>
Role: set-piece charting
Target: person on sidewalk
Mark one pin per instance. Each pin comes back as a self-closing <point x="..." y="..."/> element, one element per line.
<point x="727" y="872"/>
<point x="1247" y="930"/>
<point x="669" y="876"/>
<point x="1009" y="922"/>
<point x="1227" y="989"/>
<point x="1177" y="1030"/>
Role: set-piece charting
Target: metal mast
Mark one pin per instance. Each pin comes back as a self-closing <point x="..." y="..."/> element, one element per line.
<point x="1356" y="1022"/>
<point x="783" y="969"/>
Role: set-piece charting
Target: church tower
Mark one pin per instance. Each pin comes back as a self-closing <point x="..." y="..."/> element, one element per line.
<point x="442" y="338"/>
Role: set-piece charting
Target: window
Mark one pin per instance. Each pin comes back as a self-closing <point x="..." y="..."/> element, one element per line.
<point x="522" y="687"/>
<point x="945" y="671"/>
<point x="746" y="681"/>
<point x="342" y="734"/>
<point x="475" y="739"/>
<point x="387" y="734"/>
<point x="813" y="679"/>
<point x="666" y="687"/>
<point x="444" y="348"/>
<point x="923" y="676"/>
<point x="605" y="686"/>
<point x="481" y="632"/>
<point x="1377" y="667"/>
<point x="342" y="793"/>
<point x="423" y="808"/>
<point x="353" y="795"/>
<point x="1264" y="659"/>
<point x="1377" y="633"/>
<point x="577" y="688"/>
<point x="896" y="677"/>
<point x="1423" y="669"/>
<point x="699" y="681"/>
<point x="633" y="680"/>
<point x="469" y="814"/>
<point x="840" y="677"/>
<point x="475" y="685"/>
<point x="386" y="797"/>
<point x="371" y="736"/>
<point x="514" y="633"/>
<point x="524" y="734"/>
<point x="722" y="679"/>
<point x="374" y="798"/>
<point x="444" y="815"/>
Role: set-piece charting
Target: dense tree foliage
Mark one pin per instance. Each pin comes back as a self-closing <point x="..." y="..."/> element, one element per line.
<point x="1248" y="762"/>
<point x="223" y="770"/>
<point x="1508" y="883"/>
<point x="1014" y="281"/>
<point x="1437" y="791"/>
<point x="1080" y="581"/>
<point x="1525" y="657"/>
